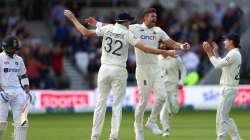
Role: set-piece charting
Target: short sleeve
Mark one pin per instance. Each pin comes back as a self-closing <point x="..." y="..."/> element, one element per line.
<point x="164" y="35"/>
<point x="100" y="31"/>
<point x="132" y="38"/>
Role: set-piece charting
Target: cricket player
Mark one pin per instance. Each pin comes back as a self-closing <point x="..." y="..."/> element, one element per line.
<point x="14" y="90"/>
<point x="229" y="82"/>
<point x="113" y="74"/>
<point x="148" y="69"/>
<point x="173" y="72"/>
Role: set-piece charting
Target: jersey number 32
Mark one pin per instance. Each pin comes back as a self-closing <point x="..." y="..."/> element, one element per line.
<point x="113" y="46"/>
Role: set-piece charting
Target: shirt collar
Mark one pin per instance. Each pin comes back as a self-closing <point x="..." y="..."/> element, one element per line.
<point x="144" y="26"/>
<point x="9" y="56"/>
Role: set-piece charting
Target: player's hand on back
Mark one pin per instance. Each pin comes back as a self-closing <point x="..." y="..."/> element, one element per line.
<point x="69" y="14"/>
<point x="91" y="21"/>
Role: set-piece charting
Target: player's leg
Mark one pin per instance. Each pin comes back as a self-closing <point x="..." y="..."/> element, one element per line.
<point x="103" y="89"/>
<point x="4" y="109"/>
<point x="144" y="88"/>
<point x="17" y="105"/>
<point x="164" y="118"/>
<point x="119" y="85"/>
<point x="233" y="130"/>
<point x="174" y="101"/>
<point x="161" y="97"/>
<point x="222" y="117"/>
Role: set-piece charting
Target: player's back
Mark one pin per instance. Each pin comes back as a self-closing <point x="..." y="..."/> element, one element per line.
<point x="150" y="37"/>
<point x="115" y="45"/>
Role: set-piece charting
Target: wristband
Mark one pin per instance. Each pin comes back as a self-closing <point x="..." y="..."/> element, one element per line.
<point x="25" y="81"/>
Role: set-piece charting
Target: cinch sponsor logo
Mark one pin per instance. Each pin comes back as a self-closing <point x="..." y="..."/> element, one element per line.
<point x="148" y="37"/>
<point x="50" y="100"/>
<point x="243" y="96"/>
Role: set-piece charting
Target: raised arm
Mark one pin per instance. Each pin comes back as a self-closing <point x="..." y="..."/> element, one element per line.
<point x="217" y="61"/>
<point x="176" y="45"/>
<point x="147" y="49"/>
<point x="84" y="31"/>
<point x="92" y="21"/>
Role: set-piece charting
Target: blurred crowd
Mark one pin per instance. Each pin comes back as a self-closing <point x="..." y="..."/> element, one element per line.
<point x="44" y="63"/>
<point x="181" y="23"/>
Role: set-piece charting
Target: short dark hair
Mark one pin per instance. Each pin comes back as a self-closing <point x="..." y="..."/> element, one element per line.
<point x="149" y="10"/>
<point x="234" y="37"/>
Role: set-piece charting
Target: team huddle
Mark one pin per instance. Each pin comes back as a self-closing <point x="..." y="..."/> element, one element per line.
<point x="158" y="68"/>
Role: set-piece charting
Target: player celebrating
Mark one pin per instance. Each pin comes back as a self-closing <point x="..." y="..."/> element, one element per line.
<point x="229" y="82"/>
<point x="173" y="72"/>
<point x="12" y="73"/>
<point x="148" y="69"/>
<point x="113" y="74"/>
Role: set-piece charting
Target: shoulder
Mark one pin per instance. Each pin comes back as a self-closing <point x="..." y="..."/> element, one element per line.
<point x="19" y="58"/>
<point x="134" y="26"/>
<point x="1" y="54"/>
<point x="157" y="29"/>
<point x="234" y="53"/>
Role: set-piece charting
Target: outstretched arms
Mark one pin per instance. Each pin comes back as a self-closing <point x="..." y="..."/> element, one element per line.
<point x="84" y="31"/>
<point x="147" y="49"/>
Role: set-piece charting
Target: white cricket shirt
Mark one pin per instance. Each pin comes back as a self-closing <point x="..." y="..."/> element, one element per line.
<point x="115" y="44"/>
<point x="170" y="68"/>
<point x="230" y="65"/>
<point x="10" y="70"/>
<point x="149" y="37"/>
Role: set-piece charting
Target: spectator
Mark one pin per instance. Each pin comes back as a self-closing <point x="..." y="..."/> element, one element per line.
<point x="191" y="61"/>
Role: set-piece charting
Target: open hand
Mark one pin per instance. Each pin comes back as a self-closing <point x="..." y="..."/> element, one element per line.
<point x="207" y="47"/>
<point x="215" y="47"/>
<point x="69" y="14"/>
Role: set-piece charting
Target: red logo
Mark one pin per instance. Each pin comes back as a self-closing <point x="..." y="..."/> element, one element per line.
<point x="181" y="96"/>
<point x="64" y="100"/>
<point x="243" y="96"/>
<point x="151" y="98"/>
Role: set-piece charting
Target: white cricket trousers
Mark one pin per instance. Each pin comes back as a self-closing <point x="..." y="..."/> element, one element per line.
<point x="171" y="105"/>
<point x="112" y="78"/>
<point x="224" y="123"/>
<point x="17" y="97"/>
<point x="148" y="78"/>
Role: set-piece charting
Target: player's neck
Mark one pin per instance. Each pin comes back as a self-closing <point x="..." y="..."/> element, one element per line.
<point x="148" y="25"/>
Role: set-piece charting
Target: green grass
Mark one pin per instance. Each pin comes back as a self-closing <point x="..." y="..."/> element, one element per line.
<point x="187" y="125"/>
